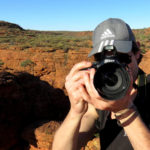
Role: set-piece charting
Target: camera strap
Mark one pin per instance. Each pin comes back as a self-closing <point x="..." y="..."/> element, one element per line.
<point x="143" y="84"/>
<point x="143" y="98"/>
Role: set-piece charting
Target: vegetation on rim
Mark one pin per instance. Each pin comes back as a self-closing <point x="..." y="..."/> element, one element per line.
<point x="14" y="37"/>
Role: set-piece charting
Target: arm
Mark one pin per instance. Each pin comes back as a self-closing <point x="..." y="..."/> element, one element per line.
<point x="87" y="126"/>
<point x="136" y="130"/>
<point x="75" y="130"/>
<point x="81" y="117"/>
<point x="66" y="136"/>
<point x="139" y="134"/>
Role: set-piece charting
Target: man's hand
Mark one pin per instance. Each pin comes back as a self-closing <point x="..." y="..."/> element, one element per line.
<point x="78" y="126"/>
<point x="75" y="87"/>
<point x="81" y="90"/>
<point x="103" y="104"/>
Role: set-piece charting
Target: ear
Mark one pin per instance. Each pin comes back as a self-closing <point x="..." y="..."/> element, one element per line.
<point x="138" y="44"/>
<point x="138" y="55"/>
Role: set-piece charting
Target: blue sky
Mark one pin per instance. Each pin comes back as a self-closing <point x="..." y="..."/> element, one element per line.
<point x="74" y="15"/>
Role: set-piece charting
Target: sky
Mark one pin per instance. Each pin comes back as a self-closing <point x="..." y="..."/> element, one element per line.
<point x="73" y="15"/>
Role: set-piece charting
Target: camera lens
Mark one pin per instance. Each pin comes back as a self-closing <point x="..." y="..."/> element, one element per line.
<point x="111" y="80"/>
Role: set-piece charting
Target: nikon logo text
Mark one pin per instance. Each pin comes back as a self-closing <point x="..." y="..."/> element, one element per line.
<point x="109" y="61"/>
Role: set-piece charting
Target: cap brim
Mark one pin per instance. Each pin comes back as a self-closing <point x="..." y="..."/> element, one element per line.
<point x="95" y="50"/>
<point x="121" y="46"/>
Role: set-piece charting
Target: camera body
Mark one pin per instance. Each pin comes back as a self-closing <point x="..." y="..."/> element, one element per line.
<point x="111" y="79"/>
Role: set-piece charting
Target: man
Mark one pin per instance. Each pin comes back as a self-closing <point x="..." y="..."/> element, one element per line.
<point x="124" y="123"/>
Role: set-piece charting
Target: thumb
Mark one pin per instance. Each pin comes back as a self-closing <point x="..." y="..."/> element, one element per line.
<point x="133" y="93"/>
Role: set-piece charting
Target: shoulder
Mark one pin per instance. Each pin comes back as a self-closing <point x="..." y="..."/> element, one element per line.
<point x="148" y="86"/>
<point x="148" y="78"/>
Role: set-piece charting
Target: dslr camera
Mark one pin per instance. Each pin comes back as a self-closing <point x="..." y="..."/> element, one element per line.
<point x="111" y="79"/>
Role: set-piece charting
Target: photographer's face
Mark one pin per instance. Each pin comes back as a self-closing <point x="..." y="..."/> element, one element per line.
<point x="133" y="65"/>
<point x="124" y="58"/>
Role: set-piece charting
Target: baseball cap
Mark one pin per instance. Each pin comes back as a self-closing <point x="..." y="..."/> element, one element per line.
<point x="112" y="31"/>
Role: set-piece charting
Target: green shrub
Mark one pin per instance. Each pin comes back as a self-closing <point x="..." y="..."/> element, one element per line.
<point x="143" y="51"/>
<point x="1" y="63"/>
<point x="27" y="62"/>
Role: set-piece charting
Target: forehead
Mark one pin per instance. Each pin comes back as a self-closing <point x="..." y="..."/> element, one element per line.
<point x="112" y="52"/>
<point x="130" y="53"/>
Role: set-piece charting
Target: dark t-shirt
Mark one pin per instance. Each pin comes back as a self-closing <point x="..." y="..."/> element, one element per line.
<point x="112" y="136"/>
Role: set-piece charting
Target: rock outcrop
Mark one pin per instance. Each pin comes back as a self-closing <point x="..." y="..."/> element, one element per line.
<point x="33" y="100"/>
<point x="24" y="100"/>
<point x="33" y="93"/>
<point x="7" y="25"/>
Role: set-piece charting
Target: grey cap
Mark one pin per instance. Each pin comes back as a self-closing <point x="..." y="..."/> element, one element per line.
<point x="112" y="32"/>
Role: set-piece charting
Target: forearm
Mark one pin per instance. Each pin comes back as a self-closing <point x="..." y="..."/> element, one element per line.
<point x="66" y="137"/>
<point x="138" y="134"/>
<point x="136" y="130"/>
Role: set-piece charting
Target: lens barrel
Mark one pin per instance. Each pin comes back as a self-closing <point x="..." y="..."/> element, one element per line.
<point x="111" y="80"/>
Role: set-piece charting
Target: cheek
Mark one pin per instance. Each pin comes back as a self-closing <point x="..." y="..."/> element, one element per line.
<point x="134" y="69"/>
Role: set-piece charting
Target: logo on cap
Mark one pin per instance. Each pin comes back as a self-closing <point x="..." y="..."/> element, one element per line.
<point x="107" y="34"/>
<point x="105" y="43"/>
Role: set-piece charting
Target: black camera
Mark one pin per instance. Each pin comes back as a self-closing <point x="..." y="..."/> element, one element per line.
<point x="111" y="79"/>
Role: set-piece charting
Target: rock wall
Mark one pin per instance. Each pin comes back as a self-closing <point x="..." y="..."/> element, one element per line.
<point x="32" y="93"/>
<point x="25" y="99"/>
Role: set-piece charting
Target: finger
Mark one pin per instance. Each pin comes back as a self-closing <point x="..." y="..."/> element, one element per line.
<point x="71" y="86"/>
<point x="87" y="83"/>
<point x="89" y="86"/>
<point x="131" y="82"/>
<point x="131" y="97"/>
<point x="79" y="75"/>
<point x="84" y="94"/>
<point x="78" y="67"/>
<point x="133" y="93"/>
<point x="92" y="74"/>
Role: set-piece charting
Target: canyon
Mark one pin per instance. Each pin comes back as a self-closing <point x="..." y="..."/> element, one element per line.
<point x="33" y="99"/>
